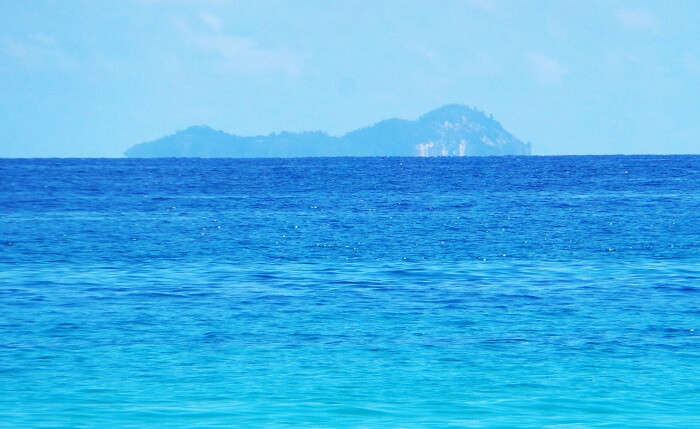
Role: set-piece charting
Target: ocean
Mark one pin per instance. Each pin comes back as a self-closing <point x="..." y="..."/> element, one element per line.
<point x="531" y="292"/>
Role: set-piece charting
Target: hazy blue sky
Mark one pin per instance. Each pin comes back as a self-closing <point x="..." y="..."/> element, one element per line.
<point x="91" y="78"/>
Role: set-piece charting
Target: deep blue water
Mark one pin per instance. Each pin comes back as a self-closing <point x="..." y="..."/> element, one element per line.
<point x="377" y="292"/>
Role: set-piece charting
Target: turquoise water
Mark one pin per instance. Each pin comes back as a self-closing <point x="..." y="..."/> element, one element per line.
<point x="376" y="292"/>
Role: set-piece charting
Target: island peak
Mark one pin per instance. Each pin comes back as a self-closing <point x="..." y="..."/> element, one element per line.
<point x="450" y="130"/>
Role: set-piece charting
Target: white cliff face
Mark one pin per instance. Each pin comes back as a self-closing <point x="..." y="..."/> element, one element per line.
<point x="467" y="133"/>
<point x="425" y="149"/>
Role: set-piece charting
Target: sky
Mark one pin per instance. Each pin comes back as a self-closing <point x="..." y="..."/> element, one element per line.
<point x="91" y="78"/>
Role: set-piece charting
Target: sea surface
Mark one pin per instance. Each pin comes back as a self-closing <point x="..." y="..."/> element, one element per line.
<point x="559" y="292"/>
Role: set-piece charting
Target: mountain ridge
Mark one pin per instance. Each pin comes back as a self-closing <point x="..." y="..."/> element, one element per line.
<point x="450" y="130"/>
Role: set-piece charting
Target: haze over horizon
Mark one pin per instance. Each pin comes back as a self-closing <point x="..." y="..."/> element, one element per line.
<point x="91" y="79"/>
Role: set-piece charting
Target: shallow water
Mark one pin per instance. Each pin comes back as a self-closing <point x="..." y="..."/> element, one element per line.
<point x="375" y="292"/>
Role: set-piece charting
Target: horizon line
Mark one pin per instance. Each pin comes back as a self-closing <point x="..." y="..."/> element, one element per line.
<point x="350" y="156"/>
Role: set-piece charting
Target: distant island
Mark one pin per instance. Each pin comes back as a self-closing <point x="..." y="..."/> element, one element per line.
<point x="452" y="130"/>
